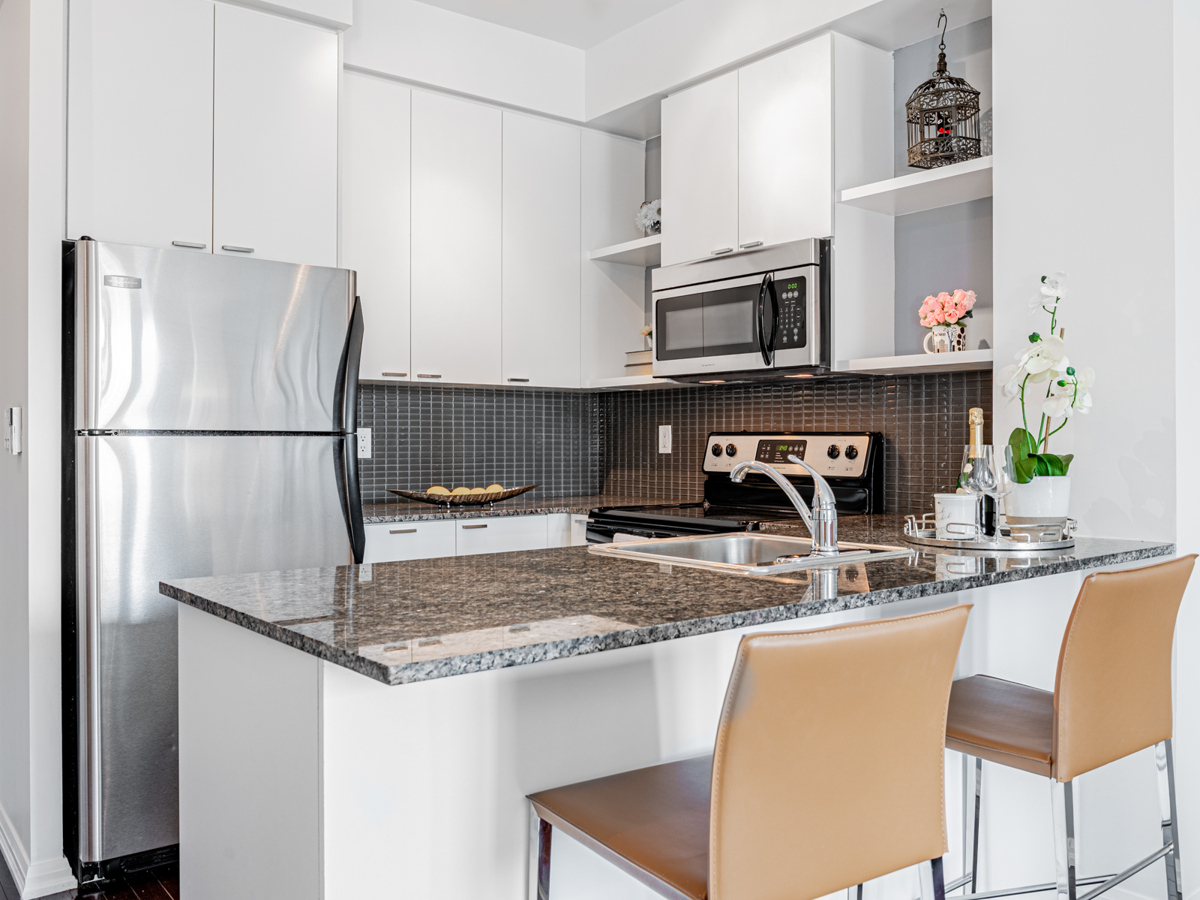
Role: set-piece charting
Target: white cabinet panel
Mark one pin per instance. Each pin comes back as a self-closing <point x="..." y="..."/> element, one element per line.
<point x="566" y="530"/>
<point x="700" y="170"/>
<point x="375" y="217"/>
<point x="140" y="126"/>
<point x="275" y="138"/>
<point x="500" y="534"/>
<point x="456" y="190"/>
<point x="540" y="252"/>
<point x="785" y="145"/>
<point x="613" y="296"/>
<point x="394" y="541"/>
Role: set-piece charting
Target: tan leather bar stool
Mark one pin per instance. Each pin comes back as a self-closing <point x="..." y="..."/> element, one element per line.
<point x="1112" y="697"/>
<point x="827" y="772"/>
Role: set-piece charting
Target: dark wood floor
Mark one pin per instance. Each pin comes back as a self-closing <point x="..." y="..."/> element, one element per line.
<point x="155" y="884"/>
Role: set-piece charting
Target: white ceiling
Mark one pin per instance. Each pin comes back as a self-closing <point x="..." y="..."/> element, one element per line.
<point x="578" y="23"/>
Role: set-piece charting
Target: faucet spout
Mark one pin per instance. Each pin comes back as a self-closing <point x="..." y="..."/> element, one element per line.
<point x="821" y="520"/>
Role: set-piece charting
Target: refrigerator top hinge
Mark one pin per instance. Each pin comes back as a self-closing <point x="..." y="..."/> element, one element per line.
<point x="97" y="432"/>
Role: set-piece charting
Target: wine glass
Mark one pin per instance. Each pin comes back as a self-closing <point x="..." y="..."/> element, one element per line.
<point x="979" y="477"/>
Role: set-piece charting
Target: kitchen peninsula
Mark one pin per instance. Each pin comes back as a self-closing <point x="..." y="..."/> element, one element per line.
<point x="373" y="730"/>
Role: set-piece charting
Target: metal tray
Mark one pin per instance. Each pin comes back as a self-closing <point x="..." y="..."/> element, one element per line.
<point x="921" y="531"/>
<point x="450" y="500"/>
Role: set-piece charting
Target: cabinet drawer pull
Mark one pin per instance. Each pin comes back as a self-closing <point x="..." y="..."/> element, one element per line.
<point x="465" y="527"/>
<point x="191" y="245"/>
<point x="419" y="375"/>
<point x="394" y="374"/>
<point x="750" y="244"/>
<point x="522" y="380"/>
<point x="403" y="531"/>
<point x="232" y="249"/>
<point x="428" y="642"/>
<point x="721" y="250"/>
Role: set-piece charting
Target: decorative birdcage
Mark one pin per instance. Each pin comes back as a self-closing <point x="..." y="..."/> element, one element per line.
<point x="943" y="117"/>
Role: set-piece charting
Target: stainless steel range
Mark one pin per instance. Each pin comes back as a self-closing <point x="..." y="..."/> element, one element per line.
<point x="852" y="463"/>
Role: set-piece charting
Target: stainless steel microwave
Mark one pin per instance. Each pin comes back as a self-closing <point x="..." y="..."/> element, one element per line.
<point x="743" y="317"/>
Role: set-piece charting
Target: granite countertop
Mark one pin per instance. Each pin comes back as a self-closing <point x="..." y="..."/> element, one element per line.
<point x="404" y="622"/>
<point x="525" y="505"/>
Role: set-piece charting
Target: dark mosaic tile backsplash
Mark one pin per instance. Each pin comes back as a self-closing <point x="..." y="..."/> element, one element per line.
<point x="576" y="443"/>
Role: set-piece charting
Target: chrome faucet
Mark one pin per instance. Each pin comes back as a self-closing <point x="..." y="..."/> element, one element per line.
<point x="821" y="520"/>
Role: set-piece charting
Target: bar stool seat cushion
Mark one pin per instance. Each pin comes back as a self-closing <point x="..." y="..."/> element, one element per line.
<point x="652" y="822"/>
<point x="1003" y="722"/>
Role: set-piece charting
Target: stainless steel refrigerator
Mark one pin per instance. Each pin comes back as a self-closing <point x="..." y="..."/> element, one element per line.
<point x="213" y="408"/>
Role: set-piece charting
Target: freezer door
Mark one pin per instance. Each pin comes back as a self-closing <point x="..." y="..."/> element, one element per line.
<point x="160" y="507"/>
<point x="173" y="340"/>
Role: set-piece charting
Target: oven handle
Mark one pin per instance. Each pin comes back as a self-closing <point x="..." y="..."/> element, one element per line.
<point x="766" y="345"/>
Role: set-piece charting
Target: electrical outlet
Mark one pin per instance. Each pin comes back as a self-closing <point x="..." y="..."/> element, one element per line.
<point x="664" y="438"/>
<point x="364" y="443"/>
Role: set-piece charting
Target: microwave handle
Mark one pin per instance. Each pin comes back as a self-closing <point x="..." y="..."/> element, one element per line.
<point x="766" y="344"/>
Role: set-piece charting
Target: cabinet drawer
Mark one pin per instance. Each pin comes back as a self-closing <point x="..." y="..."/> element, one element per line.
<point x="394" y="541"/>
<point x="500" y="535"/>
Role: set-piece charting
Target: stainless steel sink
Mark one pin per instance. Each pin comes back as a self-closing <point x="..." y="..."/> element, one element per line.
<point x="746" y="553"/>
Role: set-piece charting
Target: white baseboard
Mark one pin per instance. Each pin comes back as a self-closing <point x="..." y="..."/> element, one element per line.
<point x="33" y="879"/>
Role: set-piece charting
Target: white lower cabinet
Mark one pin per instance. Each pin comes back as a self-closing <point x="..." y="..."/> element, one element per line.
<point x="566" y="530"/>
<point x="500" y="534"/>
<point x="393" y="541"/>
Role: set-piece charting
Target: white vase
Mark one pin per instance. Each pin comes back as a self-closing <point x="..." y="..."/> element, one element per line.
<point x="1043" y="501"/>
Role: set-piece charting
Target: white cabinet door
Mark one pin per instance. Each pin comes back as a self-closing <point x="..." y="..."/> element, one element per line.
<point x="394" y="541"/>
<point x="456" y="184"/>
<point x="275" y="138"/>
<point x="501" y="534"/>
<point x="700" y="171"/>
<point x="785" y="146"/>
<point x="566" y="530"/>
<point x="540" y="252"/>
<point x="375" y="217"/>
<point x="140" y="108"/>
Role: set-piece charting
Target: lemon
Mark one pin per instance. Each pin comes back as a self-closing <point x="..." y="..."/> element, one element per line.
<point x="437" y="489"/>
<point x="494" y="488"/>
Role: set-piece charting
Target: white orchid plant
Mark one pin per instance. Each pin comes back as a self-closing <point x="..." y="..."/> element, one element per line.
<point x="1067" y="390"/>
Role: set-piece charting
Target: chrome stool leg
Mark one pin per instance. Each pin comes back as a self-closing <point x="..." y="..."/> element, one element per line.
<point x="933" y="884"/>
<point x="1064" y="839"/>
<point x="540" y="832"/>
<point x="1164" y="761"/>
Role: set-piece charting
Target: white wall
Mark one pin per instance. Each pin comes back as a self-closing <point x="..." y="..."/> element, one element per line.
<point x="1073" y="193"/>
<point x="435" y="47"/>
<point x="32" y="41"/>
<point x="1187" y="434"/>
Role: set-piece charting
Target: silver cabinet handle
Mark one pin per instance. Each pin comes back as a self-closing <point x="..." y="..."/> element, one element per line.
<point x="394" y="374"/>
<point x="749" y="244"/>
<point x="428" y="642"/>
<point x="465" y="527"/>
<point x="403" y="531"/>
<point x="419" y="375"/>
<point x="722" y="250"/>
<point x="191" y="245"/>
<point x="232" y="249"/>
<point x="522" y="380"/>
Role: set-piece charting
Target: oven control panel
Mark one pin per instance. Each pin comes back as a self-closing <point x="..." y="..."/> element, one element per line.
<point x="833" y="455"/>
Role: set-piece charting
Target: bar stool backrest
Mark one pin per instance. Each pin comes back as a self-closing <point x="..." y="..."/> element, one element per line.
<point x="827" y="770"/>
<point x="1112" y="693"/>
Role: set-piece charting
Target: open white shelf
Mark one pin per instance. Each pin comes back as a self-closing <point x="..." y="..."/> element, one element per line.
<point x="643" y="252"/>
<point x="961" y="361"/>
<point x="930" y="189"/>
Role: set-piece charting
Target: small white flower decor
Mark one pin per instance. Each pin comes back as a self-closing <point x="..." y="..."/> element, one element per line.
<point x="649" y="217"/>
<point x="1066" y="391"/>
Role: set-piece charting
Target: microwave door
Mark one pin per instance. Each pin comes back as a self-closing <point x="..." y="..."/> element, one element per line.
<point x="708" y="328"/>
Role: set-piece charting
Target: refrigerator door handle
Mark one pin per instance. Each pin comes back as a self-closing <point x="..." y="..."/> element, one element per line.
<point x="346" y="461"/>
<point x="345" y="398"/>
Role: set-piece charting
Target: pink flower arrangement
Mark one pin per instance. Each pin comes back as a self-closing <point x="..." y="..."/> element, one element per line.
<point x="946" y="309"/>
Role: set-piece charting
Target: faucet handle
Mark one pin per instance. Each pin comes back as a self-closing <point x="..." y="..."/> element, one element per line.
<point x="823" y="493"/>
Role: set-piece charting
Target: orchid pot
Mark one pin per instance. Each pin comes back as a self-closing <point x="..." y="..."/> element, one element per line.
<point x="1043" y="500"/>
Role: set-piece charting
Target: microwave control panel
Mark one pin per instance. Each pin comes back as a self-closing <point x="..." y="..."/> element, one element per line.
<point x="832" y="455"/>
<point x="793" y="313"/>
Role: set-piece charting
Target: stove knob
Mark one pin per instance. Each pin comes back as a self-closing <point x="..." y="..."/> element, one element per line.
<point x="833" y="452"/>
<point x="851" y="452"/>
<point x="716" y="449"/>
<point x="731" y="450"/>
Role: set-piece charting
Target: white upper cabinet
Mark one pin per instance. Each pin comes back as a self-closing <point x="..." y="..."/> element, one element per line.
<point x="275" y="138"/>
<point x="700" y="171"/>
<point x="541" y="255"/>
<point x="785" y="146"/>
<point x="375" y="217"/>
<point x="456" y="235"/>
<point x="140" y="89"/>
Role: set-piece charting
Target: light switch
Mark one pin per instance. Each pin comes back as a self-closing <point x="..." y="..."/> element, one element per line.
<point x="664" y="438"/>
<point x="13" y="439"/>
<point x="364" y="443"/>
